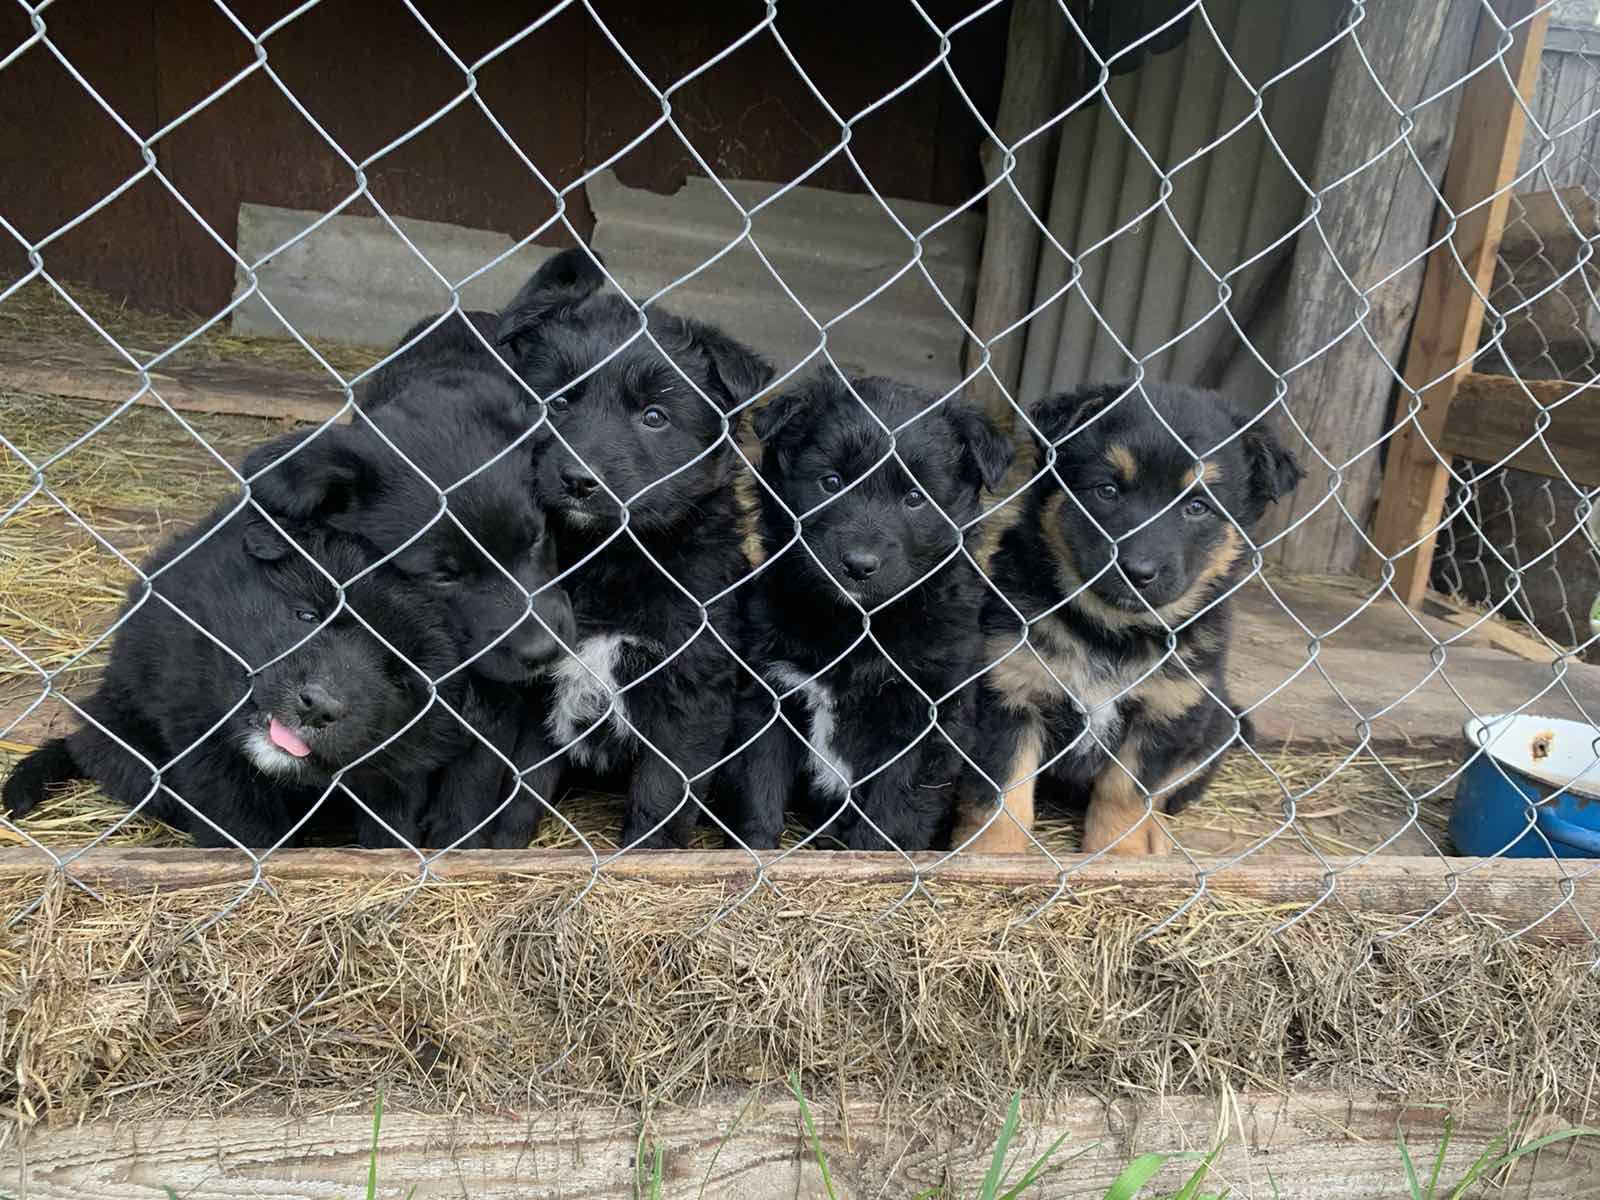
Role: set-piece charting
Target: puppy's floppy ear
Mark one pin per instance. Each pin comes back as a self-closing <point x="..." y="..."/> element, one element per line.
<point x="567" y="279"/>
<point x="790" y="411"/>
<point x="261" y="541"/>
<point x="1056" y="416"/>
<point x="313" y="476"/>
<point x="986" y="452"/>
<point x="737" y="372"/>
<point x="1274" y="473"/>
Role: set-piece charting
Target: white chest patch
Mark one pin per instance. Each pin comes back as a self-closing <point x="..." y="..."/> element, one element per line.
<point x="827" y="769"/>
<point x="585" y="692"/>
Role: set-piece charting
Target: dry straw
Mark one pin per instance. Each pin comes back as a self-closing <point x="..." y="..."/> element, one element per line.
<point x="506" y="994"/>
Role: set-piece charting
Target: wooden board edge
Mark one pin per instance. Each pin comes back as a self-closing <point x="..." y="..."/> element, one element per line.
<point x="1552" y="899"/>
<point x="1500" y="634"/>
<point x="1305" y="1143"/>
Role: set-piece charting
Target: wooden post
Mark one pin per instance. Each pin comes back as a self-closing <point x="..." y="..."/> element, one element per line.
<point x="1483" y="160"/>
<point x="1036" y="59"/>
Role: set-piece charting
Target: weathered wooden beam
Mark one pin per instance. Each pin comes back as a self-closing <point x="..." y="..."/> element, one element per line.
<point x="1363" y="258"/>
<point x="1492" y="417"/>
<point x="1511" y="892"/>
<point x="1305" y="1144"/>
<point x="1483" y="161"/>
<point x="1036" y="59"/>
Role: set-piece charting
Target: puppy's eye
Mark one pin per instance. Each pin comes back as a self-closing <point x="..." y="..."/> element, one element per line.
<point x="1196" y="508"/>
<point x="306" y="615"/>
<point x="915" y="499"/>
<point x="558" y="403"/>
<point x="1107" y="491"/>
<point x="654" y="418"/>
<point x="831" y="482"/>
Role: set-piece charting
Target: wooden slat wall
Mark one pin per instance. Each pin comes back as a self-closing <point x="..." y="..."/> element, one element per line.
<point x="1567" y="93"/>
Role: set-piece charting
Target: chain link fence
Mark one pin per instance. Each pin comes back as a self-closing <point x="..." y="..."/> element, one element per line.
<point x="1031" y="598"/>
<point x="1522" y="540"/>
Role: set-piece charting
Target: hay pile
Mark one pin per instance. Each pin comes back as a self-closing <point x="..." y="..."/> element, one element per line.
<point x="1349" y="814"/>
<point x="38" y="317"/>
<point x="481" y="995"/>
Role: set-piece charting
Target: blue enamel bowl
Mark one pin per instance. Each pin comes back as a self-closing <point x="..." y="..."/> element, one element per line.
<point x="1533" y="792"/>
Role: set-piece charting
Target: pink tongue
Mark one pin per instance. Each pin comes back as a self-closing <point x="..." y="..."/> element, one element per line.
<point x="287" y="739"/>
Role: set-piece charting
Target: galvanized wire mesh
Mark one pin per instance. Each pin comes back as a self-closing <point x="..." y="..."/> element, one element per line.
<point x="1084" y="318"/>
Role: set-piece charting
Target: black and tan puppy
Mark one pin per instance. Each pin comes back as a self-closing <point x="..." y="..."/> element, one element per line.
<point x="880" y="537"/>
<point x="639" y="484"/>
<point x="1130" y="535"/>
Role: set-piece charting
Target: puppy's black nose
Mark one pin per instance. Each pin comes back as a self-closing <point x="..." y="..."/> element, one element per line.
<point x="579" y="484"/>
<point x="860" y="564"/>
<point x="316" y="708"/>
<point x="1141" y="572"/>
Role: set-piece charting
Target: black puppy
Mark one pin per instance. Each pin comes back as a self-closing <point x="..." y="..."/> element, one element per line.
<point x="250" y="733"/>
<point x="640" y="485"/>
<point x="885" y="535"/>
<point x="441" y="487"/>
<point x="1147" y="535"/>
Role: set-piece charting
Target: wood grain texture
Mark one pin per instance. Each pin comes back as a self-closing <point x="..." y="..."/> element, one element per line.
<point x="1493" y="417"/>
<point x="1514" y="892"/>
<point x="1036" y="56"/>
<point x="242" y="389"/>
<point x="1361" y="258"/>
<point x="1450" y="310"/>
<point x="1313" y="1145"/>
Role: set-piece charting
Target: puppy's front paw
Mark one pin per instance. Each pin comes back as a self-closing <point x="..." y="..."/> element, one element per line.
<point x="1001" y="836"/>
<point x="1144" y="835"/>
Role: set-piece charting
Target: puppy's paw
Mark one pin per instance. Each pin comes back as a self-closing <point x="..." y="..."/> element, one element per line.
<point x="1001" y="836"/>
<point x="1144" y="836"/>
<point x="31" y="778"/>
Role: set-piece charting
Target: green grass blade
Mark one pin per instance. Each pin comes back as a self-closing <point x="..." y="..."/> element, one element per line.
<point x="1138" y="1173"/>
<point x="1438" y="1159"/>
<point x="1039" y="1166"/>
<point x="727" y="1137"/>
<point x="372" y="1162"/>
<point x="1488" y="1165"/>
<point x="811" y="1132"/>
<point x="1413" y="1185"/>
<point x="656" y="1173"/>
<point x="1191" y="1188"/>
<point x="171" y="1195"/>
<point x="995" y="1175"/>
<point x="1478" y="1166"/>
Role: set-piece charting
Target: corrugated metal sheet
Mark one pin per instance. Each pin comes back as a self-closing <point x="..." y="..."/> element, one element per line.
<point x="1192" y="116"/>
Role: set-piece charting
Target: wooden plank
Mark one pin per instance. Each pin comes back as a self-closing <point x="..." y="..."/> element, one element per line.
<point x="1036" y="58"/>
<point x="1492" y="418"/>
<point x="1371" y="232"/>
<point x="1513" y="892"/>
<point x="1450" y="312"/>
<point x="1313" y="1144"/>
<point x="235" y="388"/>
<point x="1497" y="631"/>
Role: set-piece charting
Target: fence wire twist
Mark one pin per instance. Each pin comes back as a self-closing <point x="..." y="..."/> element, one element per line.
<point x="1515" y="545"/>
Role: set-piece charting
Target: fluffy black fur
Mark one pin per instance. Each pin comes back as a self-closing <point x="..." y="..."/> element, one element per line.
<point x="449" y="406"/>
<point x="650" y="429"/>
<point x="1101" y="569"/>
<point x="887" y="542"/>
<point x="184" y="704"/>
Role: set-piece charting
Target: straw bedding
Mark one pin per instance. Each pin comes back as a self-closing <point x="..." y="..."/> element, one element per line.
<point x="311" y="994"/>
<point x="480" y="995"/>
